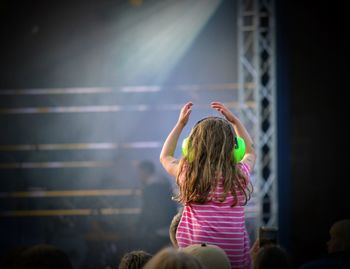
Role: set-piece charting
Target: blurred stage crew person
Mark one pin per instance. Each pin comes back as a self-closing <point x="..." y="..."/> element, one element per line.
<point x="158" y="208"/>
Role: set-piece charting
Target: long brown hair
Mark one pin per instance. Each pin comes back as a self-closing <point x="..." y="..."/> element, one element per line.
<point x="211" y="142"/>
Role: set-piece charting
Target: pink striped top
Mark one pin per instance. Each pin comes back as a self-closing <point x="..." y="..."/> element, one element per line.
<point x="218" y="224"/>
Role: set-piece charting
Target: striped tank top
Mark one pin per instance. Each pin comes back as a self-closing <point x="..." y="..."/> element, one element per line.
<point x="218" y="224"/>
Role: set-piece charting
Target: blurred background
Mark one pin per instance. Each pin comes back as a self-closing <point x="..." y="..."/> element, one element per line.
<point x="90" y="89"/>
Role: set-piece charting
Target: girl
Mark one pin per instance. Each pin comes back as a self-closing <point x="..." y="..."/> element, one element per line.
<point x="213" y="188"/>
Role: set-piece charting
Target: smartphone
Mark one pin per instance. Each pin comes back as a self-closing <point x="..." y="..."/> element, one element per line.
<point x="268" y="235"/>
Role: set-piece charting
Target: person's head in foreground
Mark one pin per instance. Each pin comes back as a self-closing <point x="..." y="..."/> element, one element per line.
<point x="170" y="258"/>
<point x="340" y="236"/>
<point x="211" y="256"/>
<point x="44" y="257"/>
<point x="271" y="257"/>
<point x="134" y="260"/>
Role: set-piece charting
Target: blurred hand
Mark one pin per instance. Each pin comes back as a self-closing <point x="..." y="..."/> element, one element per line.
<point x="185" y="113"/>
<point x="255" y="249"/>
<point x="224" y="111"/>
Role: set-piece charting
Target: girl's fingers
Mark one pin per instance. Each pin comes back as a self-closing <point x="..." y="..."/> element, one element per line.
<point x="188" y="113"/>
<point x="187" y="109"/>
<point x="189" y="105"/>
<point x="216" y="104"/>
<point x="218" y="107"/>
<point x="185" y="112"/>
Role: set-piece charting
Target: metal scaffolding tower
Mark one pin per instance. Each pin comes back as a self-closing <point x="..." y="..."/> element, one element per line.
<point x="257" y="99"/>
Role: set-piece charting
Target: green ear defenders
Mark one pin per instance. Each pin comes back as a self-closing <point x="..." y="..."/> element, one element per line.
<point x="236" y="155"/>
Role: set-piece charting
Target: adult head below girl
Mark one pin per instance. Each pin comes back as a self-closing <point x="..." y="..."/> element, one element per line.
<point x="214" y="187"/>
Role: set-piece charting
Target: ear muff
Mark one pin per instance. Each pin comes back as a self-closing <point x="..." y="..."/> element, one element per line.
<point x="239" y="150"/>
<point x="236" y="155"/>
<point x="185" y="150"/>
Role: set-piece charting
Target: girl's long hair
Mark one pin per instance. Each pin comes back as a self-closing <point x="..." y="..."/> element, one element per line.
<point x="211" y="142"/>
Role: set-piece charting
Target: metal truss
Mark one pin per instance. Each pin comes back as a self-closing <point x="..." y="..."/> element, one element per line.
<point x="257" y="99"/>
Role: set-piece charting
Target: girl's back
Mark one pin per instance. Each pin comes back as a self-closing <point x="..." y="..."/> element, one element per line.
<point x="218" y="223"/>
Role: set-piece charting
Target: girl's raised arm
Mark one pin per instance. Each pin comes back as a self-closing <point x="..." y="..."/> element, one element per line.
<point x="249" y="157"/>
<point x="166" y="157"/>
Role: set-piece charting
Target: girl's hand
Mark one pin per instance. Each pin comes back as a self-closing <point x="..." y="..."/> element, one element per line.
<point x="185" y="113"/>
<point x="224" y="111"/>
